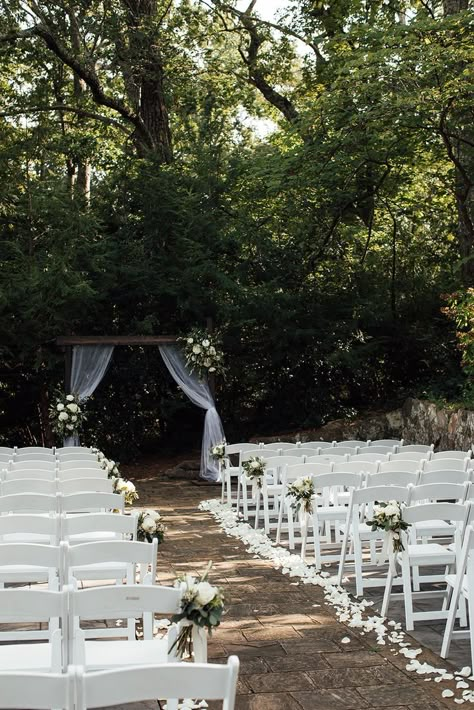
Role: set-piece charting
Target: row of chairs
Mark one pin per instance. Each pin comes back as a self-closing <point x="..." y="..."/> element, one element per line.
<point x="88" y="501"/>
<point x="78" y="690"/>
<point x="36" y="453"/>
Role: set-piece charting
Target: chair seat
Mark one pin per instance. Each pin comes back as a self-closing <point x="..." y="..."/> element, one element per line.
<point x="430" y="553"/>
<point x="112" y="654"/>
<point x="26" y="657"/>
<point x="451" y="581"/>
<point x="435" y="527"/>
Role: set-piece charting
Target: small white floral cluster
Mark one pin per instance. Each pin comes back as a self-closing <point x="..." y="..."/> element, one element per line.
<point x="217" y="452"/>
<point x="388" y="517"/>
<point x="66" y="415"/>
<point x="107" y="464"/>
<point x="150" y="526"/>
<point x="254" y="469"/>
<point x="198" y="592"/>
<point x="302" y="492"/>
<point x="121" y="485"/>
<point x="203" y="352"/>
<point x="353" y="612"/>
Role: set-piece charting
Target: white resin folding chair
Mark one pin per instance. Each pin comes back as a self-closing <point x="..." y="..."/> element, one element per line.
<point x="357" y="531"/>
<point x="35" y="467"/>
<point x="79" y="528"/>
<point x="299" y="451"/>
<point x="344" y="450"/>
<point x="369" y="457"/>
<point x="90" y="502"/>
<point x="64" y="457"/>
<point x="178" y="681"/>
<point x="352" y="443"/>
<point x="37" y="691"/>
<point x="7" y="451"/>
<point x="379" y="449"/>
<point x="268" y="497"/>
<point x="319" y="444"/>
<point x="27" y="563"/>
<point x="329" y="513"/>
<point x="67" y="474"/>
<point x="392" y="478"/>
<point x="461" y="586"/>
<point x="385" y="442"/>
<point x="244" y="485"/>
<point x="410" y="456"/>
<point x="21" y="450"/>
<point x="122" y="602"/>
<point x="419" y="554"/>
<point x="35" y="458"/>
<point x="445" y="476"/>
<point x="451" y="455"/>
<point x="5" y="460"/>
<point x="61" y="450"/>
<point x="28" y="485"/>
<point x="229" y="471"/>
<point x="327" y="455"/>
<point x="446" y="465"/>
<point x="29" y="503"/>
<point x="417" y="448"/>
<point x="407" y="466"/>
<point x="31" y="606"/>
<point x="85" y="484"/>
<point x="290" y="474"/>
<point x="21" y="527"/>
<point x="357" y="466"/>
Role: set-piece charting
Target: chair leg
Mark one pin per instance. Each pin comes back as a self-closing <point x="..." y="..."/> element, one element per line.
<point x="407" y="594"/>
<point x="257" y="508"/>
<point x="245" y="499"/>
<point x="291" y="528"/>
<point x="358" y="566"/>
<point x="342" y="560"/>
<point x="266" y="515"/>
<point x="387" y="593"/>
<point x="317" y="543"/>
<point x="304" y="533"/>
<point x="280" y="520"/>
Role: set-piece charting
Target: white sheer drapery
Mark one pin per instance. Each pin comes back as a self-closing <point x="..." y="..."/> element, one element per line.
<point x="89" y="365"/>
<point x="200" y="394"/>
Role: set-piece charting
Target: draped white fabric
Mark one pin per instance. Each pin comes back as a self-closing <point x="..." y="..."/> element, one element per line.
<point x="200" y="394"/>
<point x="89" y="365"/>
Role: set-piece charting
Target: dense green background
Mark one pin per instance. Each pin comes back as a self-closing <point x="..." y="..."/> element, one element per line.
<point x="140" y="193"/>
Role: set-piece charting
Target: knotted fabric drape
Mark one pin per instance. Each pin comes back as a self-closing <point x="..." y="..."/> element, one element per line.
<point x="199" y="394"/>
<point x="89" y="365"/>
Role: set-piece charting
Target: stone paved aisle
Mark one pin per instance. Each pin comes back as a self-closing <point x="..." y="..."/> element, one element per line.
<point x="288" y="641"/>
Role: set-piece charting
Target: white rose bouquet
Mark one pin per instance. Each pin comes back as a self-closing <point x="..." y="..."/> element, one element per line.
<point x="66" y="415"/>
<point x="202" y="604"/>
<point x="388" y="517"/>
<point x="107" y="464"/>
<point x="203" y="352"/>
<point x="255" y="469"/>
<point x="302" y="492"/>
<point x="150" y="526"/>
<point x="121" y="485"/>
<point x="217" y="452"/>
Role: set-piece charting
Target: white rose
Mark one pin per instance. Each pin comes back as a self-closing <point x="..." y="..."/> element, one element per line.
<point x="207" y="362"/>
<point x="72" y="407"/>
<point x="206" y="343"/>
<point x="205" y="593"/>
<point x="70" y="398"/>
<point x="60" y="406"/>
<point x="391" y="510"/>
<point x="74" y="418"/>
<point x="212" y="350"/>
<point x="190" y="341"/>
<point x="212" y="369"/>
<point x="63" y="416"/>
<point x="130" y="487"/>
<point x="197" y="349"/>
<point x="254" y="464"/>
<point x="70" y="427"/>
<point x="148" y="525"/>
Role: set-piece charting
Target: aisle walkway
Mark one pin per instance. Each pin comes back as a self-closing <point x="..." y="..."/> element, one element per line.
<point x="289" y="642"/>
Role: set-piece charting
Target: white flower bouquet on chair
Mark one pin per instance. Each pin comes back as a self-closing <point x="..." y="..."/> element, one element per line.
<point x="150" y="526"/>
<point x="127" y="488"/>
<point x="388" y="517"/>
<point x="66" y="415"/>
<point x="203" y="352"/>
<point x="254" y="469"/>
<point x="301" y="492"/>
<point x="217" y="452"/>
<point x="202" y="606"/>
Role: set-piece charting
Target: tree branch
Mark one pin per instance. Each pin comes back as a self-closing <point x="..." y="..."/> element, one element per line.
<point x="67" y="109"/>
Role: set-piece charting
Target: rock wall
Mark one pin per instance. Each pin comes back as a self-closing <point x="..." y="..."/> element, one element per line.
<point x="425" y="423"/>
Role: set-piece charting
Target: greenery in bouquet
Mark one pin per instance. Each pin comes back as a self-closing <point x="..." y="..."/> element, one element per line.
<point x="150" y="525"/>
<point x="254" y="469"/>
<point x="203" y="352"/>
<point x="302" y="492"/>
<point x="388" y="517"/>
<point x="202" y="604"/>
<point x="66" y="415"/>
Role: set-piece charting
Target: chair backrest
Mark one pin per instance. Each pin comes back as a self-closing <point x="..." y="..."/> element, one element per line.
<point x="356" y="466"/>
<point x="344" y="450"/>
<point x="5" y="459"/>
<point x="73" y="449"/>
<point x="178" y="680"/>
<point x="455" y="512"/>
<point x="275" y="445"/>
<point x="446" y="464"/>
<point x="91" y="502"/>
<point x="444" y="476"/>
<point x="401" y="465"/>
<point x="386" y="442"/>
<point x="451" y="455"/>
<point x="30" y="605"/>
<point x="67" y="474"/>
<point x="21" y="524"/>
<point x="29" y="502"/>
<point x="76" y="464"/>
<point x="439" y="491"/>
<point x="327" y="455"/>
<point x="393" y="478"/>
<point x="75" y="527"/>
<point x="409" y="456"/>
<point x="416" y="448"/>
<point x="380" y="494"/>
<point x="117" y="552"/>
<point x="299" y="451"/>
<point x="298" y="470"/>
<point x="28" y="485"/>
<point x="33" y="555"/>
<point x="44" y="457"/>
<point x="76" y="456"/>
<point x="34" y="450"/>
<point x="37" y="691"/>
<point x="379" y="449"/>
<point x="36" y="465"/>
<point x="238" y="448"/>
<point x="260" y="453"/>
<point x="7" y="451"/>
<point x="331" y="484"/>
<point x="352" y="443"/>
<point x="369" y="457"/>
<point x="47" y="474"/>
<point x="319" y="444"/>
<point x="85" y="484"/>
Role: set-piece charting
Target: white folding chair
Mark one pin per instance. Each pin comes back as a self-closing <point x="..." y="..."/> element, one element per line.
<point x="28" y="485"/>
<point x="379" y="449"/>
<point x="462" y="587"/>
<point x="82" y="456"/>
<point x="229" y="470"/>
<point x="418" y="554"/>
<point x="445" y="476"/>
<point x="29" y="503"/>
<point x="91" y="502"/>
<point x="37" y="691"/>
<point x="22" y="450"/>
<point x="411" y="456"/>
<point x="79" y="528"/>
<point x="122" y="602"/>
<point x="177" y="681"/>
<point x="277" y="445"/>
<point x="243" y="484"/>
<point x="120" y="560"/>
<point x="357" y="466"/>
<point x="358" y="532"/>
<point x="22" y="527"/>
<point x="352" y="443"/>
<point x="269" y="495"/>
<point x="28" y="606"/>
<point x="369" y="457"/>
<point x="35" y="468"/>
<point x="343" y="451"/>
<point x="35" y="458"/>
<point x="407" y="466"/>
<point x="7" y="451"/>
<point x="61" y="450"/>
<point x="299" y="451"/>
<point x="87" y="484"/>
<point x="392" y="478"/>
<point x="446" y="465"/>
<point x="417" y="448"/>
<point x="327" y="455"/>
<point x="27" y="563"/>
<point x="451" y="455"/>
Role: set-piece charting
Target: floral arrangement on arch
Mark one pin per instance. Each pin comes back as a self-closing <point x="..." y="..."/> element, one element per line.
<point x="121" y="485"/>
<point x="388" y="517"/>
<point x="302" y="492"/>
<point x="66" y="415"/>
<point x="202" y="605"/>
<point x="203" y="352"/>
<point x="254" y="469"/>
<point x="150" y="526"/>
